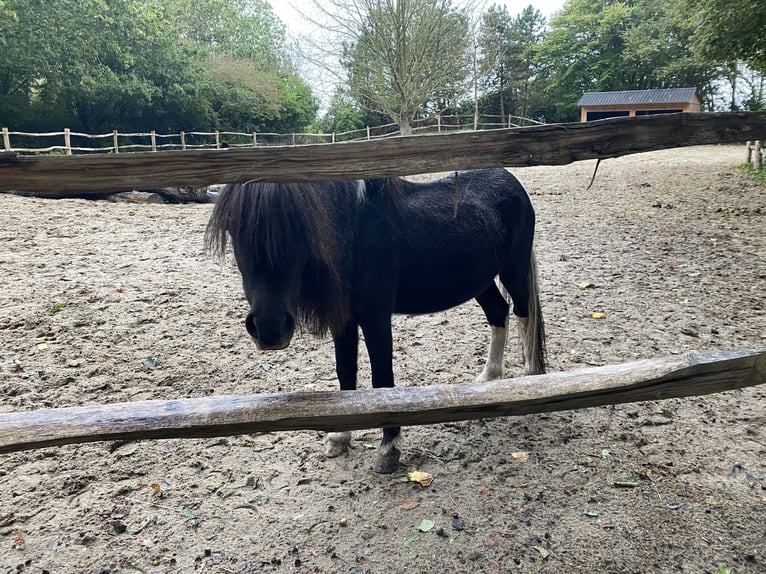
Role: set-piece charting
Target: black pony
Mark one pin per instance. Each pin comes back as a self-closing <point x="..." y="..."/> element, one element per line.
<point x="339" y="255"/>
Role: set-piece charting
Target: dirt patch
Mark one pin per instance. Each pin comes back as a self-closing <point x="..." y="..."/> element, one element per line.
<point x="104" y="302"/>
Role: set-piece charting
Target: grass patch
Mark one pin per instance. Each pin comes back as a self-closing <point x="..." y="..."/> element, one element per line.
<point x="757" y="175"/>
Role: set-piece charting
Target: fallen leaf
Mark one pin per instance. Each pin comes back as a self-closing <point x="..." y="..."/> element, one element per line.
<point x="147" y="520"/>
<point x="426" y="525"/>
<point x="409" y="504"/>
<point x="422" y="478"/>
<point x="19" y="537"/>
<point x="412" y="540"/>
<point x="597" y="315"/>
<point x="543" y="552"/>
<point x="520" y="456"/>
<point x="585" y="285"/>
<point x="626" y="483"/>
<point x="58" y="307"/>
<point x="155" y="488"/>
<point x="654" y="475"/>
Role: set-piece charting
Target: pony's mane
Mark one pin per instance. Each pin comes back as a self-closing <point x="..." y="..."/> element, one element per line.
<point x="268" y="222"/>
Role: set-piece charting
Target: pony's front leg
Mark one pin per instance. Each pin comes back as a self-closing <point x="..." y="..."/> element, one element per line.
<point x="346" y="353"/>
<point x="377" y="337"/>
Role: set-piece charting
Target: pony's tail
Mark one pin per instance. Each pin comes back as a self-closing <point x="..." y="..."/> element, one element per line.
<point x="534" y="334"/>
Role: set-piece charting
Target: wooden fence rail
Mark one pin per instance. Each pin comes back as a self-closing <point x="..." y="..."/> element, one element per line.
<point x="551" y="144"/>
<point x="677" y="376"/>
<point x="214" y="139"/>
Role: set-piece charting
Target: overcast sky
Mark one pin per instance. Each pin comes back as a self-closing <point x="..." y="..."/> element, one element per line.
<point x="322" y="82"/>
<point x="286" y="10"/>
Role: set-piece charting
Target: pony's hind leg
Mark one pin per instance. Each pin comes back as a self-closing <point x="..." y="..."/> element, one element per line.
<point x="496" y="310"/>
<point x="377" y="337"/>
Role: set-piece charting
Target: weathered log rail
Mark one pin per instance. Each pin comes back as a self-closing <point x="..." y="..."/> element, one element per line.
<point x="677" y="376"/>
<point x="553" y="144"/>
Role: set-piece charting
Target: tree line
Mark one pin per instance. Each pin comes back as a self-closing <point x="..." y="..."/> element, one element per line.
<point x="172" y="65"/>
<point x="134" y="65"/>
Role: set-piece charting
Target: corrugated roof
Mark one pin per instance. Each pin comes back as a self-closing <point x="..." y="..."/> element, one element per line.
<point x="668" y="96"/>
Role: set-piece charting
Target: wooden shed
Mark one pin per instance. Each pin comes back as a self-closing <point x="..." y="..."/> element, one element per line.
<point x="600" y="105"/>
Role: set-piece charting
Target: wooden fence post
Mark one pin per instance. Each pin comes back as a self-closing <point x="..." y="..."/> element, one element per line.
<point x="368" y="133"/>
<point x="6" y="140"/>
<point x="255" y="139"/>
<point x="758" y="157"/>
<point x="116" y="143"/>
<point x="748" y="151"/>
<point x="333" y="137"/>
<point x="153" y="135"/>
<point x="292" y="138"/>
<point x="183" y="141"/>
<point x="67" y="141"/>
<point x="439" y="123"/>
<point x="217" y="139"/>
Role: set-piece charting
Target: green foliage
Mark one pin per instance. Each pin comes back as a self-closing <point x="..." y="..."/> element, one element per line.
<point x="510" y="64"/>
<point x="135" y="65"/>
<point x="342" y="115"/>
<point x="608" y="45"/>
<point x="405" y="57"/>
<point x="757" y="175"/>
<point x="730" y="30"/>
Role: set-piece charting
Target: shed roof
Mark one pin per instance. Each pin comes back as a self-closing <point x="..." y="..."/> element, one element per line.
<point x="631" y="97"/>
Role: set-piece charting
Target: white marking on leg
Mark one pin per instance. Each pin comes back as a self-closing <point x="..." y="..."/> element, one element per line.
<point x="494" y="367"/>
<point x="336" y="443"/>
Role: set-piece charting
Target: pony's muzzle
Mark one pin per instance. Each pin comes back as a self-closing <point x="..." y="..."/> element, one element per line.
<point x="270" y="333"/>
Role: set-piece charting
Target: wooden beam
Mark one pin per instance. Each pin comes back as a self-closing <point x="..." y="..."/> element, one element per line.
<point x="553" y="144"/>
<point x="677" y="376"/>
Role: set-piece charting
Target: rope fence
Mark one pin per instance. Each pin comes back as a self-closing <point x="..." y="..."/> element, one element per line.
<point x="123" y="142"/>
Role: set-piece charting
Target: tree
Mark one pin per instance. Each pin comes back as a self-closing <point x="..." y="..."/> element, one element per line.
<point x="495" y="49"/>
<point x="342" y="115"/>
<point x="607" y="45"/>
<point x="730" y="30"/>
<point x="245" y="29"/>
<point x="402" y="56"/>
<point x="135" y="65"/>
<point x="510" y="63"/>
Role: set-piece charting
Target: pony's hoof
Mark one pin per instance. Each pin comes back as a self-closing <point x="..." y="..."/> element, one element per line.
<point x="388" y="461"/>
<point x="489" y="375"/>
<point x="336" y="443"/>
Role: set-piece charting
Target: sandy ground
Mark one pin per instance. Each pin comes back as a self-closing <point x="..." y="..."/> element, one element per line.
<point x="674" y="246"/>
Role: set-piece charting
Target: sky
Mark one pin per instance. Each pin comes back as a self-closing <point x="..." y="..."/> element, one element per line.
<point x="323" y="84"/>
<point x="286" y="10"/>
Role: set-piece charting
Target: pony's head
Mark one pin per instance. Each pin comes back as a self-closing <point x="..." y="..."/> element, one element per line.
<point x="286" y="244"/>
